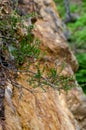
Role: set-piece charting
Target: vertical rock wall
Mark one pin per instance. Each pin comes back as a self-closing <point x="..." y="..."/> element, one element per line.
<point x="34" y="109"/>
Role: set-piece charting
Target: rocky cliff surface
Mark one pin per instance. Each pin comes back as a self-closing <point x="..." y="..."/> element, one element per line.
<point x="34" y="108"/>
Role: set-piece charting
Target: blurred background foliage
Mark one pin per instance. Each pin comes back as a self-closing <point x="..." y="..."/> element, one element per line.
<point x="77" y="35"/>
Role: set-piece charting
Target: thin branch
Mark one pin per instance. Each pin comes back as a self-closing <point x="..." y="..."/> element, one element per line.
<point x="47" y="81"/>
<point x="27" y="89"/>
<point x="20" y="86"/>
<point x="8" y="38"/>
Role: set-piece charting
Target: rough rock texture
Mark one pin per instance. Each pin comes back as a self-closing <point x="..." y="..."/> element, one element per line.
<point x="39" y="111"/>
<point x="77" y="104"/>
<point x="34" y="109"/>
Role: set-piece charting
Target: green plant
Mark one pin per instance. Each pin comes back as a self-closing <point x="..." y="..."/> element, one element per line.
<point x="78" y="37"/>
<point x="26" y="49"/>
<point x="81" y="73"/>
<point x="52" y="79"/>
<point x="20" y="49"/>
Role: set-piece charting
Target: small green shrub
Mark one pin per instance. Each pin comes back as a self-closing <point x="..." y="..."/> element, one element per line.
<point x="26" y="49"/>
<point x="22" y="49"/>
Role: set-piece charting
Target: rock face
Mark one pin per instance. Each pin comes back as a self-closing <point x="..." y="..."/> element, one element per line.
<point x="34" y="109"/>
<point x="39" y="111"/>
<point x="77" y="104"/>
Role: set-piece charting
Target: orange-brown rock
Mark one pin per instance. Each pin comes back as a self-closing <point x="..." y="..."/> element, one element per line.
<point x="76" y="101"/>
<point x="39" y="110"/>
<point x="33" y="108"/>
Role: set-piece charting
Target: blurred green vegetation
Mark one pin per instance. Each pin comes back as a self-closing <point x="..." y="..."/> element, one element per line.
<point x="78" y="36"/>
